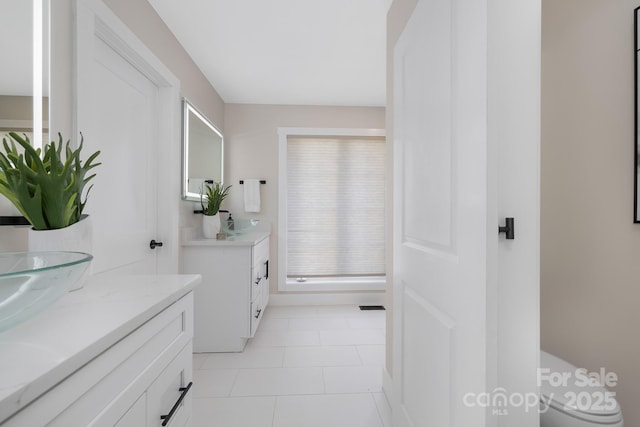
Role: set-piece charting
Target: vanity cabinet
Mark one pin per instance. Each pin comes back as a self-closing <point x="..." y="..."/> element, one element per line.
<point x="132" y="383"/>
<point x="230" y="302"/>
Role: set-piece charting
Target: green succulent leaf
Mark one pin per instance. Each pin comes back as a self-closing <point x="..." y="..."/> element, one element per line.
<point x="45" y="185"/>
<point x="215" y="194"/>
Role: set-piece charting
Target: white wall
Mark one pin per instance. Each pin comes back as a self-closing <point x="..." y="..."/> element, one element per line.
<point x="143" y="20"/>
<point x="590" y="248"/>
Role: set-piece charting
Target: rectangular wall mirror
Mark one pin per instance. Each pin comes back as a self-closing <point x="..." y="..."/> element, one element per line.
<point x="202" y="152"/>
<point x="636" y="169"/>
<point x="24" y="79"/>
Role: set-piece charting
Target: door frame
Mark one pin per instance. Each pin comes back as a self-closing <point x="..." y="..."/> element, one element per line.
<point x="95" y="19"/>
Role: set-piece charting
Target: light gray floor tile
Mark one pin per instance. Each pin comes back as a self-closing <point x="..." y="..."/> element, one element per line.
<point x="274" y="323"/>
<point x="352" y="337"/>
<point x="321" y="356"/>
<point x="213" y="382"/>
<point x="318" y="324"/>
<point x="287" y="312"/>
<point x="372" y="355"/>
<point x="233" y="412"/>
<point x="198" y="360"/>
<point x="377" y="322"/>
<point x="275" y="338"/>
<point x="278" y="381"/>
<point x="306" y="367"/>
<point x="356" y="410"/>
<point x="252" y="357"/>
<point x="353" y="379"/>
<point x="348" y="310"/>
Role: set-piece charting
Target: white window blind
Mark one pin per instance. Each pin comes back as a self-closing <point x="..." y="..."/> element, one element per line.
<point x="335" y="206"/>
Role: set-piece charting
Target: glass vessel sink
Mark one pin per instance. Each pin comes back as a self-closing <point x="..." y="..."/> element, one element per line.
<point x="31" y="281"/>
<point x="240" y="226"/>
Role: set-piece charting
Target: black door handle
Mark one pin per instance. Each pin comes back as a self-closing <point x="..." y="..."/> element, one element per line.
<point x="153" y="244"/>
<point x="508" y="229"/>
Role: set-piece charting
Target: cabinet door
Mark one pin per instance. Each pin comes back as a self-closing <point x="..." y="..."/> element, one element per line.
<point x="222" y="300"/>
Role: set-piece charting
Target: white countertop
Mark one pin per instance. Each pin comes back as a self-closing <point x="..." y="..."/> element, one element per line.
<point x="247" y="239"/>
<point x="39" y="353"/>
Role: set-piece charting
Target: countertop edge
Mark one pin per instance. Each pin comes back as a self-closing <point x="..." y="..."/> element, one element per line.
<point x="248" y="239"/>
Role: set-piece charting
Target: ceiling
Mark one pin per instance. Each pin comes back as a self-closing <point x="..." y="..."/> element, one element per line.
<point x="295" y="52"/>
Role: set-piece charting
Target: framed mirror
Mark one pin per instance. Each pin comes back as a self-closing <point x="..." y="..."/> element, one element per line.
<point x="636" y="168"/>
<point x="24" y="79"/>
<point x="202" y="152"/>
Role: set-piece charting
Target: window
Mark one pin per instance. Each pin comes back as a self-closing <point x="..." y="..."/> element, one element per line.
<point x="335" y="211"/>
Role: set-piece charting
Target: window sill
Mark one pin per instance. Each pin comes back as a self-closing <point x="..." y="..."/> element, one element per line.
<point x="336" y="284"/>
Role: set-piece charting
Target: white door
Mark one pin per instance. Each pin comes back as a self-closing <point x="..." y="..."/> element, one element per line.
<point x="123" y="203"/>
<point x="121" y="111"/>
<point x="448" y="296"/>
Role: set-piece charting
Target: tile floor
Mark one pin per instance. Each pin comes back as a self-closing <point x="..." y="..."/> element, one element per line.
<point x="314" y="366"/>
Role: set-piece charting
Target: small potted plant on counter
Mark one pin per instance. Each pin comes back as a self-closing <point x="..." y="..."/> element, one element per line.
<point x="214" y="193"/>
<point x="47" y="187"/>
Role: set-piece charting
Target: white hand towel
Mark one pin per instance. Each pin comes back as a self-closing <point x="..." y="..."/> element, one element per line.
<point x="252" y="195"/>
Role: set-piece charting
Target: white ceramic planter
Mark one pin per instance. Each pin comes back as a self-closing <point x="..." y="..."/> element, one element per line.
<point x="77" y="237"/>
<point x="211" y="225"/>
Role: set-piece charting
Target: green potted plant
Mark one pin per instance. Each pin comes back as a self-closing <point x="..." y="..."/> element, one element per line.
<point x="214" y="194"/>
<point x="47" y="187"/>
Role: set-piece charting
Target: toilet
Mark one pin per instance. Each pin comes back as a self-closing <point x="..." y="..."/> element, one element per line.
<point x="569" y="400"/>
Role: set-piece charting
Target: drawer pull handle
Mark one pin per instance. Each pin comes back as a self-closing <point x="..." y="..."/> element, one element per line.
<point x="184" y="391"/>
<point x="266" y="274"/>
<point x="258" y="313"/>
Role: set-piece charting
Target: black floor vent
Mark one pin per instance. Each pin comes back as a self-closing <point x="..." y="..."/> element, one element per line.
<point x="371" y="307"/>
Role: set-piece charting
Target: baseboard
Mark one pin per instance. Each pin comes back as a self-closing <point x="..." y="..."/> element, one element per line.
<point x="387" y="387"/>
<point x="328" y="298"/>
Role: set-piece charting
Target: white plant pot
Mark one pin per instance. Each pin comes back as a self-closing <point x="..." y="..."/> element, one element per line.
<point x="211" y="225"/>
<point x="77" y="237"/>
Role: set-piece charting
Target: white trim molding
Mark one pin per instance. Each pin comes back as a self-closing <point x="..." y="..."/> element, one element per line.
<point x="387" y="386"/>
<point x="316" y="284"/>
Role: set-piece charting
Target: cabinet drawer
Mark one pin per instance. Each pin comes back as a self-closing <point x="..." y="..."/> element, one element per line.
<point x="260" y="268"/>
<point x="261" y="252"/>
<point x="171" y="391"/>
<point x="257" y="282"/>
<point x="257" y="310"/>
<point x="136" y="416"/>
